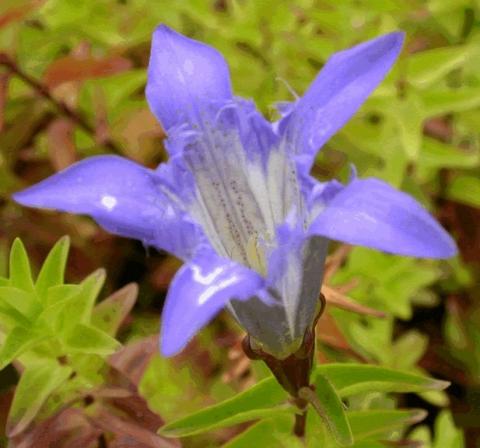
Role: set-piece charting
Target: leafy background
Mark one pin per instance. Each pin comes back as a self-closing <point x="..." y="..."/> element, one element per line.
<point x="72" y="77"/>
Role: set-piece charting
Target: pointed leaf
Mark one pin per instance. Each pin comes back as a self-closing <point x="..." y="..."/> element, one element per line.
<point x="87" y="339"/>
<point x="350" y="379"/>
<point x="57" y="299"/>
<point x="197" y="424"/>
<point x="465" y="189"/>
<point x="111" y="312"/>
<point x="17" y="341"/>
<point x="370" y="423"/>
<point x="80" y="310"/>
<point x="53" y="268"/>
<point x="251" y="404"/>
<point x="20" y="272"/>
<point x="427" y="67"/>
<point x="35" y="386"/>
<point x="436" y="154"/>
<point x="446" y="433"/>
<point x="23" y="301"/>
<point x="329" y="406"/>
<point x="267" y="433"/>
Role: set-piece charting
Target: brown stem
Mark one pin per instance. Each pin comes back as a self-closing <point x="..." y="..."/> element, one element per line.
<point x="300" y="423"/>
<point x="61" y="106"/>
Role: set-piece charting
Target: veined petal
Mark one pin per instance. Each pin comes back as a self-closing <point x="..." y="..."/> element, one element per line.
<point x="337" y="92"/>
<point x="278" y="317"/>
<point x="122" y="196"/>
<point x="200" y="289"/>
<point x="369" y="212"/>
<point x="188" y="81"/>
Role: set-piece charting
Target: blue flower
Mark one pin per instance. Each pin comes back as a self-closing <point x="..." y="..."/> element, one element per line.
<point x="236" y="201"/>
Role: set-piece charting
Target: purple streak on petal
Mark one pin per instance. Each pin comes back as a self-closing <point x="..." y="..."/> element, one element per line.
<point x="187" y="80"/>
<point x="371" y="213"/>
<point x="337" y="92"/>
<point x="122" y="196"/>
<point x="200" y="289"/>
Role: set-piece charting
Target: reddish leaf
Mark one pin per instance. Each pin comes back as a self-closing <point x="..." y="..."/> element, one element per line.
<point x="133" y="359"/>
<point x="61" y="147"/>
<point x="18" y="13"/>
<point x="70" y="68"/>
<point x="69" y="428"/>
<point x="126" y="432"/>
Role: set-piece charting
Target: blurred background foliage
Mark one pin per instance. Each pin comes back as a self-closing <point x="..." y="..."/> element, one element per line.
<point x="72" y="78"/>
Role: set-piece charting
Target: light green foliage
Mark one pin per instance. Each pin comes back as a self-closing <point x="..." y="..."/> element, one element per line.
<point x="267" y="399"/>
<point x="47" y="329"/>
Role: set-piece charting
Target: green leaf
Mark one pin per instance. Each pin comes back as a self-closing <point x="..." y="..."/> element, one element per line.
<point x="446" y="433"/>
<point x="274" y="433"/>
<point x="465" y="189"/>
<point x="198" y="423"/>
<point x="20" y="272"/>
<point x="428" y="67"/>
<point x="80" y="310"/>
<point x="447" y="101"/>
<point x="36" y="384"/>
<point x="87" y="339"/>
<point x="329" y="406"/>
<point x="436" y="154"/>
<point x="111" y="312"/>
<point x="17" y="341"/>
<point x="409" y="117"/>
<point x="58" y="297"/>
<point x="53" y="268"/>
<point x="366" y="424"/>
<point x="23" y="301"/>
<point x="350" y="379"/>
<point x="254" y="403"/>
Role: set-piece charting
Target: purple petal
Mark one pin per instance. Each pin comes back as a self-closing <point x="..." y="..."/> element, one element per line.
<point x="200" y="289"/>
<point x="122" y="196"/>
<point x="371" y="213"/>
<point x="187" y="80"/>
<point x="338" y="91"/>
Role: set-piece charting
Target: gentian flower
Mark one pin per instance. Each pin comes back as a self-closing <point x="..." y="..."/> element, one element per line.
<point x="236" y="201"/>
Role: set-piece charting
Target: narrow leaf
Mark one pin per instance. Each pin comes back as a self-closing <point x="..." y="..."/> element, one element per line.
<point x="17" y="341"/>
<point x="436" y="154"/>
<point x="465" y="189"/>
<point x="80" y="310"/>
<point x="253" y="403"/>
<point x="267" y="433"/>
<point x="329" y="406"/>
<point x="36" y="384"/>
<point x="377" y="422"/>
<point x="427" y="67"/>
<point x="446" y="433"/>
<point x="350" y="379"/>
<point x="23" y="301"/>
<point x="196" y="424"/>
<point x="53" y="268"/>
<point x="20" y="272"/>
